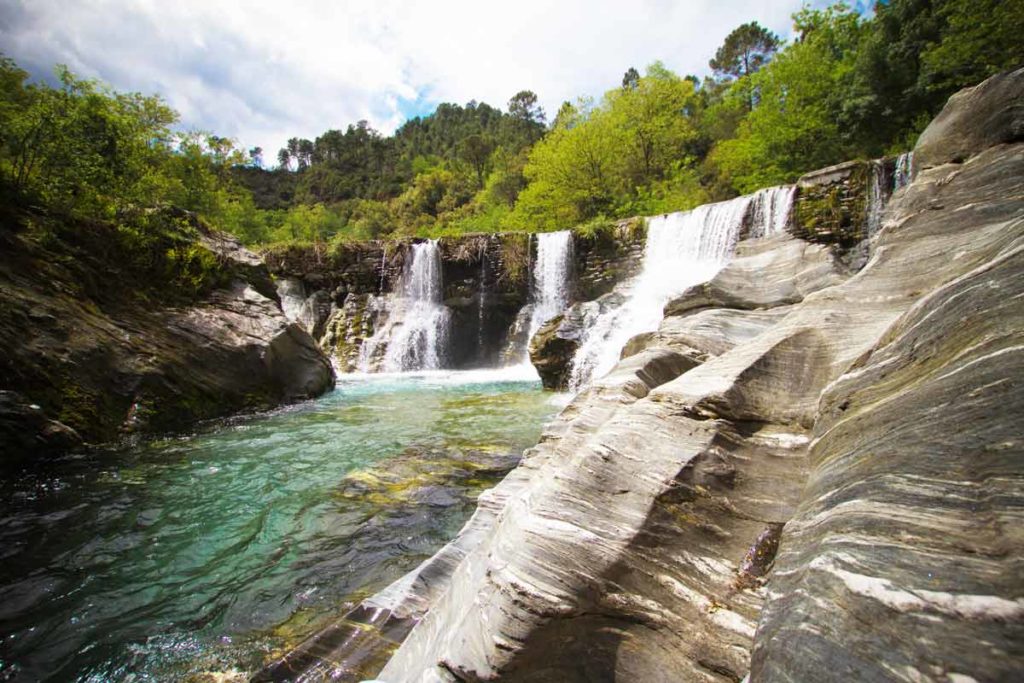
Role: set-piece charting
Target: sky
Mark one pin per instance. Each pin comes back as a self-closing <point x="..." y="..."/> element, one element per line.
<point x="260" y="71"/>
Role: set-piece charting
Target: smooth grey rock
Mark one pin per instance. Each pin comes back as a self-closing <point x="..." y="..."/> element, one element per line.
<point x="627" y="552"/>
<point x="764" y="273"/>
<point x="279" y="353"/>
<point x="707" y="332"/>
<point x="973" y="120"/>
<point x="904" y="561"/>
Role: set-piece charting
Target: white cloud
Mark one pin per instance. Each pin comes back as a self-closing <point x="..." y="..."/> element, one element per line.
<point x="263" y="71"/>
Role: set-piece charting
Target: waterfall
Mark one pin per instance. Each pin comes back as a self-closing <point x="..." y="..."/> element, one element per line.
<point x="383" y="269"/>
<point x="878" y="196"/>
<point x="482" y="303"/>
<point x="549" y="288"/>
<point x="416" y="331"/>
<point x="682" y="249"/>
<point x="904" y="171"/>
<point x="771" y="208"/>
<point x="292" y="295"/>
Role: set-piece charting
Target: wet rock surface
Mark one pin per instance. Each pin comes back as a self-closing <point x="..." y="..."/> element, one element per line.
<point x="869" y="416"/>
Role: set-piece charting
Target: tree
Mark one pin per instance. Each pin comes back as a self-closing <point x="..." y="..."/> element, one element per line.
<point x="979" y="39"/>
<point x="476" y="150"/>
<point x="523" y="106"/>
<point x="305" y="155"/>
<point x="256" y="156"/>
<point x="284" y="159"/>
<point x="82" y="148"/>
<point x="630" y="79"/>
<point x="745" y="50"/>
<point x="605" y="160"/>
<point x="566" y="116"/>
<point x="795" y="127"/>
<point x="748" y="48"/>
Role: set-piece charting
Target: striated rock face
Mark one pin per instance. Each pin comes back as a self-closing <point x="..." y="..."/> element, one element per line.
<point x="986" y="115"/>
<point x="764" y="273"/>
<point x="94" y="360"/>
<point x="862" y="426"/>
<point x="904" y="559"/>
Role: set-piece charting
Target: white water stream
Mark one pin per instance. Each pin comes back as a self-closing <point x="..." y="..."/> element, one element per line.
<point x="904" y="171"/>
<point x="416" y="332"/>
<point x="552" y="275"/>
<point x="682" y="249"/>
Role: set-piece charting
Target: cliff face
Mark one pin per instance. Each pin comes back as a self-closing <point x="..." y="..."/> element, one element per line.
<point x="93" y="352"/>
<point x="810" y="464"/>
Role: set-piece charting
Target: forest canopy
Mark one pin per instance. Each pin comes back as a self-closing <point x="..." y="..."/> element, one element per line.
<point x="846" y="86"/>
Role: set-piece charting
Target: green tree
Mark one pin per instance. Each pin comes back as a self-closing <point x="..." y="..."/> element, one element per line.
<point x="748" y="48"/>
<point x="476" y="150"/>
<point x="284" y="158"/>
<point x="979" y="39"/>
<point x="794" y="129"/>
<point x="523" y="106"/>
<point x="745" y="50"/>
<point x="600" y="160"/>
<point x="631" y="79"/>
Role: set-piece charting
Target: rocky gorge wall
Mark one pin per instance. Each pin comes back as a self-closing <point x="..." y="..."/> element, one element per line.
<point x="810" y="471"/>
<point x="339" y="293"/>
<point x="97" y="350"/>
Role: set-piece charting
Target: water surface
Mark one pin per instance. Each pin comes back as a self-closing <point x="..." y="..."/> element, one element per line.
<point x="213" y="552"/>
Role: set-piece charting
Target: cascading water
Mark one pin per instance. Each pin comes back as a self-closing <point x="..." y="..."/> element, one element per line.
<point x="904" y="171"/>
<point x="878" y="196"/>
<point x="771" y="208"/>
<point x="682" y="249"/>
<point x="383" y="269"/>
<point x="416" y="332"/>
<point x="482" y="302"/>
<point x="551" y="277"/>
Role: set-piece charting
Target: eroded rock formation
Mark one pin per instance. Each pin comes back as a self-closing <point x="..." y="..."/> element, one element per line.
<point x="94" y="359"/>
<point x="865" y="426"/>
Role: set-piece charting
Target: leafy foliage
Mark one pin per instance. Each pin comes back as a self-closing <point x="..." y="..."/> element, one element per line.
<point x="847" y="86"/>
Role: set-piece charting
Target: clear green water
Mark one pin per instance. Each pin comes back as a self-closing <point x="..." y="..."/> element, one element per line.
<point x="212" y="552"/>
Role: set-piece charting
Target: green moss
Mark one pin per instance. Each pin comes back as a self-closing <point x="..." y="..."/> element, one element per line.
<point x="515" y="256"/>
<point x="596" y="228"/>
<point x="79" y="408"/>
<point x="835" y="213"/>
<point x="195" y="270"/>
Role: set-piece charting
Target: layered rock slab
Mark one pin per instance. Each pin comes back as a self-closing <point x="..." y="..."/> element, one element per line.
<point x="584" y="579"/>
<point x="903" y="562"/>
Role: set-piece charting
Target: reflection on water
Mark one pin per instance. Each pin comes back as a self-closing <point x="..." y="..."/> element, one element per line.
<point x="212" y="552"/>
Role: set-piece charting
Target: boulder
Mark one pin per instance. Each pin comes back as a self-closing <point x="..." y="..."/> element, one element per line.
<point x="973" y="120"/>
<point x="552" y="349"/>
<point x="24" y="428"/>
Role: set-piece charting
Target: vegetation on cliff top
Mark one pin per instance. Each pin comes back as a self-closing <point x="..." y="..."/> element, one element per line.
<point x="846" y="86"/>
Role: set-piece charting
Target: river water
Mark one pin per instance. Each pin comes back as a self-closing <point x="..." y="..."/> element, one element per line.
<point x="217" y="551"/>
